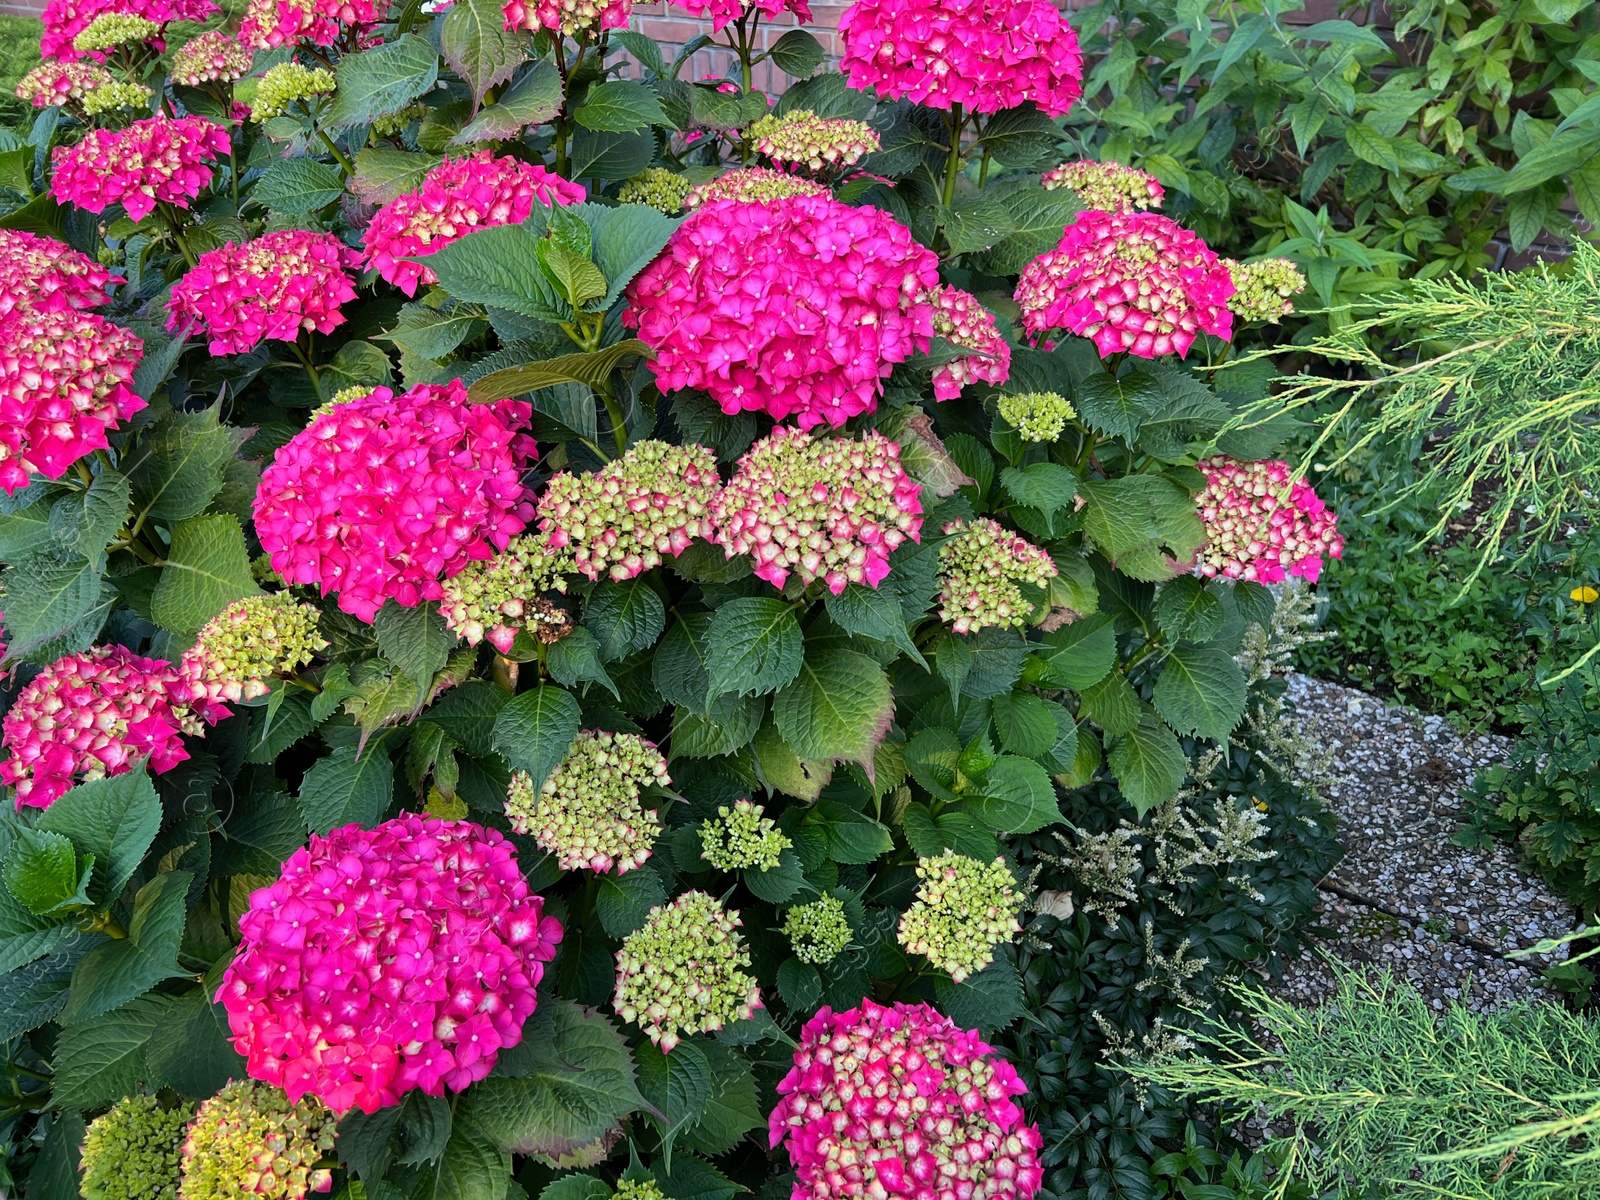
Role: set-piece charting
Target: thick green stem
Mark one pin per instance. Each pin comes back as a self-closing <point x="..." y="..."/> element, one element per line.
<point x="619" y="427"/>
<point x="344" y="162"/>
<point x="311" y="369"/>
<point x="952" y="163"/>
<point x="174" y="224"/>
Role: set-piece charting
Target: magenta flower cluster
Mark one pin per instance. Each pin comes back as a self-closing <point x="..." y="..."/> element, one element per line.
<point x="381" y="497"/>
<point x="1130" y="281"/>
<point x="274" y="287"/>
<point x="212" y="57"/>
<point x="41" y="273"/>
<point x="91" y="715"/>
<point x="959" y="318"/>
<point x="64" y="20"/>
<point x="571" y="17"/>
<point x="156" y="160"/>
<point x="65" y="379"/>
<point x="457" y="197"/>
<point x="827" y="508"/>
<point x="796" y="308"/>
<point x="269" y="24"/>
<point x="1262" y="523"/>
<point x="61" y="82"/>
<point x="899" y="1103"/>
<point x="985" y="55"/>
<point x="722" y="12"/>
<point x="383" y="960"/>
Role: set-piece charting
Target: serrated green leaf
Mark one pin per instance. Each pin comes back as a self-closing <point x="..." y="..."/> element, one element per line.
<point x="348" y="787"/>
<point x="115" y="820"/>
<point x="1148" y="764"/>
<point x="53" y="608"/>
<point x="730" y="722"/>
<point x="732" y="1108"/>
<point x="1048" y="487"/>
<point x="1185" y="610"/>
<point x="190" y="1051"/>
<point x="357" y="364"/>
<point x="533" y="98"/>
<point x="785" y="771"/>
<point x="590" y="369"/>
<point x="987" y="1001"/>
<point x="1016" y="797"/>
<point x="619" y="106"/>
<point x="101" y="1061"/>
<point x="297" y="186"/>
<point x="381" y="175"/>
<point x="678" y="665"/>
<point x="471" y="1168"/>
<point x="1025" y="723"/>
<point x="535" y="730"/>
<point x="474" y="42"/>
<point x="383" y="80"/>
<point x="85" y="524"/>
<point x="258" y="835"/>
<point x="754" y="646"/>
<point x="622" y="902"/>
<point x="113" y="974"/>
<point x="873" y="613"/>
<point x="838" y="707"/>
<point x="1201" y="691"/>
<point x="626" y="617"/>
<point x="42" y="873"/>
<point x="1117" y="407"/>
<point x="1081" y="654"/>
<point x="207" y="567"/>
<point x="414" y="639"/>
<point x="178" y="464"/>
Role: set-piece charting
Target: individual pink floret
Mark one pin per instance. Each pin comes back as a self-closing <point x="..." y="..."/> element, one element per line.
<point x="406" y="956"/>
<point x="382" y="497"/>
<point x="153" y="160"/>
<point x="92" y="715"/>
<point x="827" y="508"/>
<point x="1134" y="282"/>
<point x="458" y="196"/>
<point x="1263" y="524"/>
<point x="796" y="308"/>
<point x="274" y="287"/>
<point x="985" y="55"/>
<point x="900" y="1103"/>
<point x="959" y="318"/>
<point x="39" y="273"/>
<point x="65" y="379"/>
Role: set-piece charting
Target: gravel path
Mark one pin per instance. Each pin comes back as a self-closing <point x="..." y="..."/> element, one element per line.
<point x="1405" y="895"/>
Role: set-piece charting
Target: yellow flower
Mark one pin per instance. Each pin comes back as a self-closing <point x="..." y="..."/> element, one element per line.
<point x="1584" y="595"/>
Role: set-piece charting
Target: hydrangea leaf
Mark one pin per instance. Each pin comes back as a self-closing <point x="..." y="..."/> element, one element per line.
<point x="190" y="1051"/>
<point x="472" y="1167"/>
<point x="987" y="1001"/>
<point x="1186" y="610"/>
<point x="383" y="80"/>
<point x="382" y="174"/>
<point x="625" y="617"/>
<point x="207" y="567"/>
<point x="178" y="464"/>
<point x="623" y="901"/>
<point x="115" y="820"/>
<point x="101" y="1061"/>
<point x="731" y="722"/>
<point x="1148" y="763"/>
<point x="1201" y="691"/>
<point x="837" y="708"/>
<point x="1025" y="723"/>
<point x="113" y="974"/>
<point x="731" y="1109"/>
<point x="474" y="41"/>
<point x="348" y="787"/>
<point x="754" y="646"/>
<point x="784" y="770"/>
<point x="535" y="729"/>
<point x="53" y="608"/>
<point x="42" y="873"/>
<point x="1017" y="797"/>
<point x="297" y="186"/>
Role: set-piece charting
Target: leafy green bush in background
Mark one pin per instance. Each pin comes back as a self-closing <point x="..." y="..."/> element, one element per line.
<point x="19" y="53"/>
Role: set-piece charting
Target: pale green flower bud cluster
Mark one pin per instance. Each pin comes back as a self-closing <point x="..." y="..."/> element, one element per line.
<point x="819" y="931"/>
<point x="393" y="125"/>
<point x="963" y="910"/>
<point x="658" y="187"/>
<point x="248" y="644"/>
<point x="249" y="1139"/>
<point x="285" y="84"/>
<point x="800" y="138"/>
<point x="980" y="567"/>
<point x="1106" y="187"/>
<point x="497" y="597"/>
<point x="134" y="1151"/>
<point x="1264" y="290"/>
<point x="683" y="971"/>
<point x="639" y="1189"/>
<point x="214" y="56"/>
<point x="588" y="813"/>
<point x="1037" y="416"/>
<point x="116" y="94"/>
<point x="112" y="29"/>
<point x="742" y="837"/>
<point x="753" y="185"/>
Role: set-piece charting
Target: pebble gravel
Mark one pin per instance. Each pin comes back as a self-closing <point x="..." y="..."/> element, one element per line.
<point x="1406" y="896"/>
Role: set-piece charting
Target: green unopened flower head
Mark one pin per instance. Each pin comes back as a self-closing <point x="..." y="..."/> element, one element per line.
<point x="588" y="812"/>
<point x="495" y="598"/>
<point x="113" y="29"/>
<point x="1037" y="416"/>
<point x="134" y="1152"/>
<point x="980" y="568"/>
<point x="250" y="1140"/>
<point x="658" y="187"/>
<point x="740" y="837"/>
<point x="246" y="645"/>
<point x="963" y="910"/>
<point x="114" y="95"/>
<point x="285" y="84"/>
<point x="753" y="185"/>
<point x="819" y="931"/>
<point x="683" y="972"/>
<point x="356" y="392"/>
<point x="1265" y="290"/>
<point x="799" y="139"/>
<point x="393" y="125"/>
<point x="639" y="1189"/>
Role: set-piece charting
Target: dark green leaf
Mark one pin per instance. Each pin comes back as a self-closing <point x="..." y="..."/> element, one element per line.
<point x="348" y="787"/>
<point x="101" y="1061"/>
<point x="1148" y="763"/>
<point x="623" y="901"/>
<point x="619" y="106"/>
<point x="1201" y="691"/>
<point x="377" y="82"/>
<point x="42" y="873"/>
<point x="535" y="730"/>
<point x="474" y="41"/>
<point x="414" y="639"/>
<point x="208" y="566"/>
<point x="179" y="463"/>
<point x="837" y="707"/>
<point x="112" y="974"/>
<point x="1017" y="797"/>
<point x="115" y="820"/>
<point x="797" y="53"/>
<point x="298" y="186"/>
<point x="625" y="617"/>
<point x="753" y="646"/>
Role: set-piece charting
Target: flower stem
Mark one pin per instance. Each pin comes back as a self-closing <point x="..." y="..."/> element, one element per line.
<point x="305" y="361"/>
<point x="952" y="163"/>
<point x="344" y="162"/>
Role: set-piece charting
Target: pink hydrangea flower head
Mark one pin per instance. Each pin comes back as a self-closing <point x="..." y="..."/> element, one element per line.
<point x="899" y="1103"/>
<point x="274" y="287"/>
<point x="1106" y="186"/>
<point x="986" y="55"/>
<point x="588" y="813"/>
<point x="64" y="20"/>
<point x="251" y="1140"/>
<point x="800" y="307"/>
<point x="244" y="647"/>
<point x="458" y="196"/>
<point x="269" y="24"/>
<point x="753" y="185"/>
<point x="213" y="57"/>
<point x="959" y="318"/>
<point x="827" y="508"/>
<point x="575" y="18"/>
<point x="39" y="273"/>
<point x="495" y="599"/>
<point x="980" y="567"/>
<point x="89" y="716"/>
<point x="382" y="960"/>
<point x="1130" y="281"/>
<point x="801" y="141"/>
<point x="156" y="159"/>
<point x="381" y="498"/>
<point x="620" y="520"/>
<point x="61" y="82"/>
<point x="684" y="971"/>
<point x="722" y="12"/>
<point x="65" y="379"/>
<point x="1262" y="523"/>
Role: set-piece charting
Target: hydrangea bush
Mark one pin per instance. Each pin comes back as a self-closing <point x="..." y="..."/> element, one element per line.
<point x="540" y="594"/>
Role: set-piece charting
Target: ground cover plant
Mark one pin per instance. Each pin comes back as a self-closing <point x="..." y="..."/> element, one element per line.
<point x="541" y="596"/>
